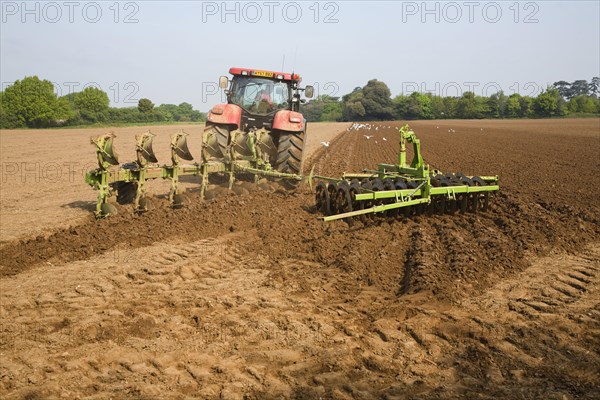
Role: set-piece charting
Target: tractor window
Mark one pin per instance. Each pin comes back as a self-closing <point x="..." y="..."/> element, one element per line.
<point x="259" y="95"/>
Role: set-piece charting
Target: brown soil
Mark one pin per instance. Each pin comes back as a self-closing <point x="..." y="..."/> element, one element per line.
<point x="254" y="296"/>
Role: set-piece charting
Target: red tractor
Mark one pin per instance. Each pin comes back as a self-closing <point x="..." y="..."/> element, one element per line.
<point x="261" y="119"/>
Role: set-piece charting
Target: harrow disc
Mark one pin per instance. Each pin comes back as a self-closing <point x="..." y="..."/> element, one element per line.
<point x="400" y="184"/>
<point x="413" y="210"/>
<point x="322" y="198"/>
<point x="332" y="189"/>
<point x="481" y="200"/>
<point x="356" y="205"/>
<point x="344" y="200"/>
<point x="377" y="186"/>
<point x="367" y="187"/>
<point x="388" y="184"/>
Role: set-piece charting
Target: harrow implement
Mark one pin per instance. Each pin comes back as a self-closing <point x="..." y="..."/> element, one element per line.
<point x="129" y="180"/>
<point x="402" y="189"/>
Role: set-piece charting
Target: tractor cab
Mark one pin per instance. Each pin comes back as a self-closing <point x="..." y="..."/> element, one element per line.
<point x="260" y="96"/>
<point x="263" y="93"/>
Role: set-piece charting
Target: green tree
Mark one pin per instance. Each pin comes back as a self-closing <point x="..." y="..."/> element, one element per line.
<point x="353" y="109"/>
<point x="170" y="111"/>
<point x="31" y="102"/>
<point x="549" y="103"/>
<point x="92" y="104"/>
<point x="467" y="106"/>
<point x="594" y="87"/>
<point x="496" y="105"/>
<point x="372" y="102"/>
<point x="8" y="120"/>
<point x="580" y="88"/>
<point x="415" y="106"/>
<point x="313" y="110"/>
<point x="526" y="107"/>
<point x="332" y="110"/>
<point x="438" y="107"/>
<point x="451" y="106"/>
<point x="513" y="106"/>
<point x="582" y="104"/>
<point x="564" y="89"/>
<point x="145" y="105"/>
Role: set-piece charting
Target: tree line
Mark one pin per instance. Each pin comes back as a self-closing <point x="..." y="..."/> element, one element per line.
<point x="33" y="103"/>
<point x="374" y="102"/>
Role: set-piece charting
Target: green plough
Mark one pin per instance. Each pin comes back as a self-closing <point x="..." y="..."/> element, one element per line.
<point x="402" y="189"/>
<point x="129" y="180"/>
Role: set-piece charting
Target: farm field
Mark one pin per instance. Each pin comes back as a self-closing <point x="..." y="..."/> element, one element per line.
<point x="253" y="296"/>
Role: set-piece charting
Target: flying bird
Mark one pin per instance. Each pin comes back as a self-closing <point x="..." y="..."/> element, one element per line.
<point x="326" y="144"/>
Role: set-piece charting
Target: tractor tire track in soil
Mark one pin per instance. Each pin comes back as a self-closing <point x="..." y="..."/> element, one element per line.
<point x="253" y="296"/>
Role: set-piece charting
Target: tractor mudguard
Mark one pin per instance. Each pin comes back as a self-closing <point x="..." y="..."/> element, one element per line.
<point x="286" y="120"/>
<point x="225" y="114"/>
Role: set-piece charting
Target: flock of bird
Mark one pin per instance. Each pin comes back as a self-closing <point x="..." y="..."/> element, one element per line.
<point x="356" y="126"/>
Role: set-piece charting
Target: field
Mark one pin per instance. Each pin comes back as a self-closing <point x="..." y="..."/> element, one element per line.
<point x="252" y="296"/>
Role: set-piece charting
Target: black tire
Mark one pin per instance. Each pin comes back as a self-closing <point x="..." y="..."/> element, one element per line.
<point x="126" y="192"/>
<point x="289" y="155"/>
<point x="222" y="135"/>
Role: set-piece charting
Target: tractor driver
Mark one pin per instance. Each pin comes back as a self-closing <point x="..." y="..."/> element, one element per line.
<point x="264" y="95"/>
<point x="264" y="101"/>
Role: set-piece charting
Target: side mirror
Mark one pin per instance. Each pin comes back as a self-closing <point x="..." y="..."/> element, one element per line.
<point x="223" y="82"/>
<point x="309" y="91"/>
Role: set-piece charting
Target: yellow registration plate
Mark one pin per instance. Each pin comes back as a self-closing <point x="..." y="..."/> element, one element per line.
<point x="266" y="74"/>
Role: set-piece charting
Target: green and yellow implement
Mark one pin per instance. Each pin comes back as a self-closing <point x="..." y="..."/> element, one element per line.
<point x="402" y="189"/>
<point x="129" y="180"/>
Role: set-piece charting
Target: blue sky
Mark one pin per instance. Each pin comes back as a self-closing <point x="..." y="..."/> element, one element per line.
<point x="172" y="52"/>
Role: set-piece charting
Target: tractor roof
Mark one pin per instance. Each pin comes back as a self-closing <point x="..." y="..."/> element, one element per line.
<point x="286" y="76"/>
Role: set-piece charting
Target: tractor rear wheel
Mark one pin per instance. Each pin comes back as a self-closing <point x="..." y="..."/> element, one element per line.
<point x="219" y="142"/>
<point x="289" y="154"/>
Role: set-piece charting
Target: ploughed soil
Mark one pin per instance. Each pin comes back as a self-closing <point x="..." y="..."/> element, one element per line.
<point x="251" y="295"/>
